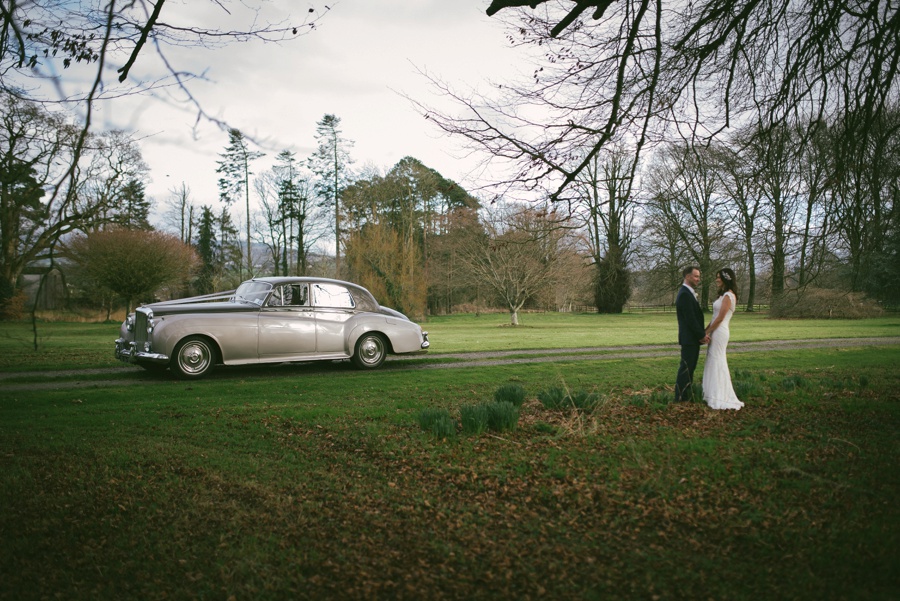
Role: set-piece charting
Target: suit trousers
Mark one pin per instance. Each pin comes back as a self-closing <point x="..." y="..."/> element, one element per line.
<point x="690" y="354"/>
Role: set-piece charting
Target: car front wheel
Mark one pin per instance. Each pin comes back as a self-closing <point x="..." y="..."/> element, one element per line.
<point x="194" y="357"/>
<point x="370" y="351"/>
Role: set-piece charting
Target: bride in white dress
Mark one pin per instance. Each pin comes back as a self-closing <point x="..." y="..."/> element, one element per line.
<point x="717" y="389"/>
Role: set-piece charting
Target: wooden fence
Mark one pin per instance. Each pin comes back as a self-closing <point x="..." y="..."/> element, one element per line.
<point x="670" y="308"/>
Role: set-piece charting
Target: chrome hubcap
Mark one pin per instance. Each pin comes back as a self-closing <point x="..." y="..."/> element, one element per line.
<point x="194" y="357"/>
<point x="370" y="350"/>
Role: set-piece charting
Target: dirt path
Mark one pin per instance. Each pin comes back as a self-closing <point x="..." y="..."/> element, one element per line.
<point x="75" y="379"/>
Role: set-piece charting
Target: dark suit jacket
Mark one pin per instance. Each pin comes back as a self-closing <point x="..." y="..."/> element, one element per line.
<point x="690" y="318"/>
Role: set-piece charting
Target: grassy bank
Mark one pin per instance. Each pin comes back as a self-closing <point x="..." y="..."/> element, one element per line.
<point x="319" y="483"/>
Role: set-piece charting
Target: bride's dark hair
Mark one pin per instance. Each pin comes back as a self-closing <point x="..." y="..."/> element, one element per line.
<point x="729" y="282"/>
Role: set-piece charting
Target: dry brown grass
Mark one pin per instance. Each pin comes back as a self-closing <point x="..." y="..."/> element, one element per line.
<point x="819" y="303"/>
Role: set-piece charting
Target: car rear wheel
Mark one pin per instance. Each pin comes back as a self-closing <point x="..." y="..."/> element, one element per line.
<point x="195" y="357"/>
<point x="370" y="351"/>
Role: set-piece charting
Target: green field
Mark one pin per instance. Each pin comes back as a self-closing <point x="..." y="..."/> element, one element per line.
<point x="90" y="345"/>
<point x="317" y="481"/>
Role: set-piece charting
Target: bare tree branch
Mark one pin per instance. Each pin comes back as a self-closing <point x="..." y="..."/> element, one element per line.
<point x="647" y="70"/>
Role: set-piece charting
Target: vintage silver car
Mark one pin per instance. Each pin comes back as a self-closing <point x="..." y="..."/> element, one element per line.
<point x="268" y="320"/>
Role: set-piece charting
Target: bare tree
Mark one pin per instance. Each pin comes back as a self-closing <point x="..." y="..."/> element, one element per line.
<point x="660" y="254"/>
<point x="181" y="213"/>
<point x="603" y="199"/>
<point x="683" y="190"/>
<point x="267" y="223"/>
<point x="115" y="162"/>
<point x="864" y="190"/>
<point x="449" y="282"/>
<point x="775" y="152"/>
<point x="37" y="208"/>
<point x="611" y="69"/>
<point x="45" y="44"/>
<point x="814" y="167"/>
<point x="738" y="182"/>
<point x="518" y="256"/>
<point x="299" y="219"/>
<point x="102" y="42"/>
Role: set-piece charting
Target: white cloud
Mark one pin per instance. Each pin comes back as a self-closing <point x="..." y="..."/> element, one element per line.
<point x="355" y="65"/>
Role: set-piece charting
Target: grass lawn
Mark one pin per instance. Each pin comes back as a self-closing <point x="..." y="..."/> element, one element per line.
<point x="318" y="482"/>
<point x="88" y="345"/>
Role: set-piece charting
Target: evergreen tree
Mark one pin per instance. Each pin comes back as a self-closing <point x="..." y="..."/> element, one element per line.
<point x="229" y="256"/>
<point x="331" y="165"/>
<point x="234" y="182"/>
<point x="207" y="246"/>
<point x="134" y="213"/>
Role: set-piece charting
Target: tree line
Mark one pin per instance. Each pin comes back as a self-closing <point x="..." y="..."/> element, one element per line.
<point x="758" y="135"/>
<point x="772" y="203"/>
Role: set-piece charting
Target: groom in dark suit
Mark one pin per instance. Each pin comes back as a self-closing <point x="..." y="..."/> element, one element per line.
<point x="691" y="333"/>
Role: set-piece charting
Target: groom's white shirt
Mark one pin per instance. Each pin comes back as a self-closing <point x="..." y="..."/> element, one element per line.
<point x="692" y="291"/>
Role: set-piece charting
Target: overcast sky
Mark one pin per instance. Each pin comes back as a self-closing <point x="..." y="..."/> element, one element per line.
<point x="357" y="63"/>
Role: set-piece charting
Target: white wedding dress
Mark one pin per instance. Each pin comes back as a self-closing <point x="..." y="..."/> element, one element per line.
<point x="717" y="389"/>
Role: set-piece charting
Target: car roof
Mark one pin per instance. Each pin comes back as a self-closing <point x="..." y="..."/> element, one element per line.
<point x="276" y="280"/>
<point x="280" y="280"/>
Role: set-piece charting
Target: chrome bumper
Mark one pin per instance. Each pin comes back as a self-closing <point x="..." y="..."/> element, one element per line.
<point x="425" y="343"/>
<point x="127" y="352"/>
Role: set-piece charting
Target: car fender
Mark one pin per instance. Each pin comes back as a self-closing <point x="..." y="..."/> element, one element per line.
<point x="237" y="339"/>
<point x="362" y="326"/>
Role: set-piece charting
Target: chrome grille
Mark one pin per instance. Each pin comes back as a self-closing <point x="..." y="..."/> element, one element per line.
<point x="140" y="329"/>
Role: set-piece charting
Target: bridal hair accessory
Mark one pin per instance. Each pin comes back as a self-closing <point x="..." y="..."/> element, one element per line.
<point x="725" y="276"/>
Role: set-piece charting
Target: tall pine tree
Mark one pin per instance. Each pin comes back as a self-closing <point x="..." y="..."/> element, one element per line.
<point x="331" y="165"/>
<point x="234" y="169"/>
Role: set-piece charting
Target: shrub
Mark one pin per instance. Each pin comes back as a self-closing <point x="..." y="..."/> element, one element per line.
<point x="12" y="308"/>
<point x="502" y="416"/>
<point x="793" y="382"/>
<point x="636" y="400"/>
<point x="474" y="418"/>
<point x="586" y="401"/>
<point x="559" y="398"/>
<point x="553" y="398"/>
<point x="747" y="389"/>
<point x="438" y="422"/>
<point x="510" y="393"/>
<point x="698" y="392"/>
<point x="656" y="398"/>
<point x="660" y="397"/>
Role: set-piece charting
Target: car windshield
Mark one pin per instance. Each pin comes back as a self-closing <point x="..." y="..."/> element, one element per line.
<point x="252" y="292"/>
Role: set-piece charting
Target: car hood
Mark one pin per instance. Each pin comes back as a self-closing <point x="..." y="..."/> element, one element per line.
<point x="220" y="307"/>
<point x="175" y="308"/>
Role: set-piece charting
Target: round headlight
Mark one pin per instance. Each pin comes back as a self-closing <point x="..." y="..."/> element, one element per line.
<point x="129" y="323"/>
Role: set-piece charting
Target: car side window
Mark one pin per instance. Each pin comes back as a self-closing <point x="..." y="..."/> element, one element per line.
<point x="289" y="295"/>
<point x="299" y="295"/>
<point x="276" y="299"/>
<point x="332" y="295"/>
